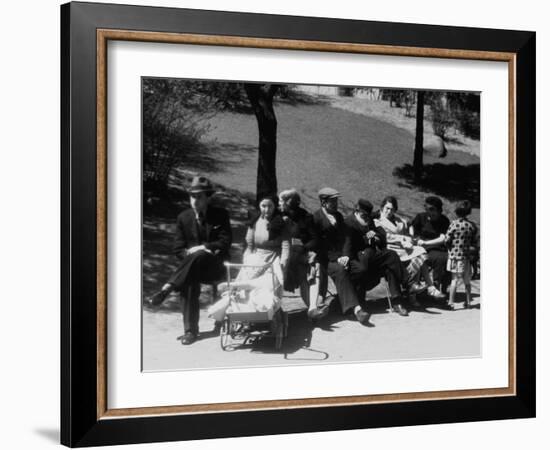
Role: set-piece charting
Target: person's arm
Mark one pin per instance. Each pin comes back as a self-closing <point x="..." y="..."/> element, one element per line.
<point x="443" y="227"/>
<point x="433" y="242"/>
<point x="275" y="231"/>
<point x="404" y="229"/>
<point x="273" y="244"/>
<point x="223" y="241"/>
<point x="475" y="239"/>
<point x="449" y="234"/>
<point x="285" y="251"/>
<point x="405" y="235"/>
<point x="347" y="237"/>
<point x="285" y="243"/>
<point x="180" y="240"/>
<point x="311" y="246"/>
<point x="380" y="236"/>
<point x="415" y="226"/>
<point x="248" y="285"/>
<point x="249" y="239"/>
<point x="347" y="248"/>
<point x="313" y="241"/>
<point x="391" y="238"/>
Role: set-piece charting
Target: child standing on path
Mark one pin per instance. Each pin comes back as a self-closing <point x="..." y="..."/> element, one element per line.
<point x="461" y="237"/>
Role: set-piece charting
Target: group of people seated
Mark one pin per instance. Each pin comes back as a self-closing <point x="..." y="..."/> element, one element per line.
<point x="354" y="251"/>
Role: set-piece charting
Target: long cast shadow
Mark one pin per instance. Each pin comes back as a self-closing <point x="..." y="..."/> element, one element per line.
<point x="211" y="157"/>
<point x="159" y="218"/>
<point x="452" y="181"/>
<point x="441" y="305"/>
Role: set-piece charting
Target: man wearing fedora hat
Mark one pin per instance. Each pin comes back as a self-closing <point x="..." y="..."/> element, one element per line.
<point x="331" y="231"/>
<point x="365" y="247"/>
<point x="203" y="238"/>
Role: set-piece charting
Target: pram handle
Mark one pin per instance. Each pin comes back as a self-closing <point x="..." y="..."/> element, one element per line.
<point x="268" y="267"/>
<point x="258" y="266"/>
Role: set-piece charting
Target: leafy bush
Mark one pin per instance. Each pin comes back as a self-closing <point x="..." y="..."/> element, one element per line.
<point x="460" y="110"/>
<point x="465" y="107"/>
<point x="441" y="115"/>
<point x="175" y="114"/>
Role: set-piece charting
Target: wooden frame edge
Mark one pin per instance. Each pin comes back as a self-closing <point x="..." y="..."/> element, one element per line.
<point x="512" y="201"/>
<point x="289" y="44"/>
<point x="103" y="35"/>
<point x="302" y="403"/>
<point x="101" y="190"/>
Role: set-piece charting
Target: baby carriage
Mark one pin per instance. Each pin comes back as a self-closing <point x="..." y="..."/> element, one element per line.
<point x="252" y="307"/>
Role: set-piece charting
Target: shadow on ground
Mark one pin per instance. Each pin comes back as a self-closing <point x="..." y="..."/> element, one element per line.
<point x="214" y="157"/>
<point x="159" y="219"/>
<point x="296" y="346"/>
<point x="452" y="181"/>
<point x="50" y="434"/>
<point x="429" y="305"/>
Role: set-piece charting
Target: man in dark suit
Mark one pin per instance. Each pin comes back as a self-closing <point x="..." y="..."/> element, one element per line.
<point x="365" y="246"/>
<point x="203" y="238"/>
<point x="331" y="232"/>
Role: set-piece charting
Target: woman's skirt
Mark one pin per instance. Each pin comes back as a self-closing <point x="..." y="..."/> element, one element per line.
<point x="413" y="268"/>
<point x="260" y="257"/>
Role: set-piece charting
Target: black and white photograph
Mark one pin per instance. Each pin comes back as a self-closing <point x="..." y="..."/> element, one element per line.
<point x="275" y="225"/>
<point x="293" y="224"/>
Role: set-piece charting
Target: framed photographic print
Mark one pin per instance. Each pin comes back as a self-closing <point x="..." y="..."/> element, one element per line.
<point x="276" y="224"/>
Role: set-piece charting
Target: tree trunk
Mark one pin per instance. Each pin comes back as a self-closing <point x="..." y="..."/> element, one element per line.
<point x="443" y="148"/>
<point x="261" y="99"/>
<point x="418" y="163"/>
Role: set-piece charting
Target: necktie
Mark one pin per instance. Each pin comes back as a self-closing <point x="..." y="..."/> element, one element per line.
<point x="201" y="227"/>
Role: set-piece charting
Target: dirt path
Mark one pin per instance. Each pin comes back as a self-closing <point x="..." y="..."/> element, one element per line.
<point x="430" y="332"/>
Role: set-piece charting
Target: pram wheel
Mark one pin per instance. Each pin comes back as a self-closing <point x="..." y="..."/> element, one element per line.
<point x="246" y="320"/>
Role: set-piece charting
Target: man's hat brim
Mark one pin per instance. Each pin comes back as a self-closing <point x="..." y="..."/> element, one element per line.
<point x="364" y="205"/>
<point x="328" y="193"/>
<point x="199" y="190"/>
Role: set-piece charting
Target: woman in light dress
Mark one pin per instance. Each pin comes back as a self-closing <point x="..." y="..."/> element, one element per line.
<point x="412" y="256"/>
<point x="259" y="287"/>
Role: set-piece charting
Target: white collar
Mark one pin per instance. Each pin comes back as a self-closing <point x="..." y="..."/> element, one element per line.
<point x="360" y="220"/>
<point x="198" y="214"/>
<point x="331" y="217"/>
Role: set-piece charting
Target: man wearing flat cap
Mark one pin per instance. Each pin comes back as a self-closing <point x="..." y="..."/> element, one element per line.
<point x="331" y="231"/>
<point x="203" y="238"/>
<point x="369" y="259"/>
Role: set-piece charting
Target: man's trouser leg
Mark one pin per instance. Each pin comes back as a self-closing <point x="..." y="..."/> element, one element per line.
<point x="390" y="264"/>
<point x="318" y="290"/>
<point x="179" y="277"/>
<point x="190" y="307"/>
<point x="346" y="291"/>
<point x="437" y="260"/>
<point x="200" y="267"/>
<point x="359" y="270"/>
